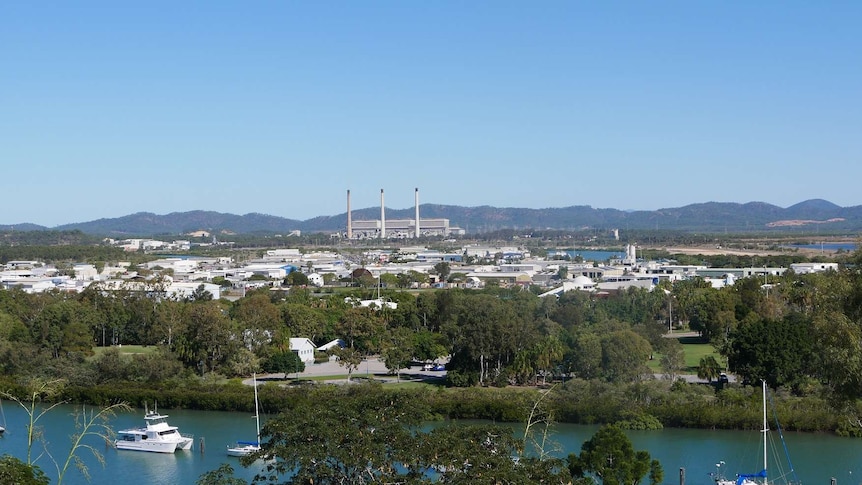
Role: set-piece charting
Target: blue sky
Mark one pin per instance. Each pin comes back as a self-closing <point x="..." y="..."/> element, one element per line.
<point x="110" y="108"/>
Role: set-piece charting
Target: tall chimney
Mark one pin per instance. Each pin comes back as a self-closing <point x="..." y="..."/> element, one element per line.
<point x="417" y="211"/>
<point x="349" y="218"/>
<point x="382" y="217"/>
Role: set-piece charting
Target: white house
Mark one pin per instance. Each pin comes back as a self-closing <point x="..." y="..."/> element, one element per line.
<point x="304" y="348"/>
<point x="337" y="342"/>
<point x="315" y="279"/>
<point x="807" y="268"/>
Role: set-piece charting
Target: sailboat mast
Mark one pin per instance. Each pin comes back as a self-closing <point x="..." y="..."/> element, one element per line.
<point x="256" y="408"/>
<point x="765" y="430"/>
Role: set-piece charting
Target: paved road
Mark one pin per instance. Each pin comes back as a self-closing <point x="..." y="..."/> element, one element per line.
<point x="376" y="368"/>
<point x="369" y="367"/>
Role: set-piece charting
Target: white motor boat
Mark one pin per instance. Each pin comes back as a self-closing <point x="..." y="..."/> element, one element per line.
<point x="157" y="436"/>
<point x="245" y="448"/>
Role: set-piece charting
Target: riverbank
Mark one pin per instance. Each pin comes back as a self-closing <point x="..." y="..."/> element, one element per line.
<point x="639" y="405"/>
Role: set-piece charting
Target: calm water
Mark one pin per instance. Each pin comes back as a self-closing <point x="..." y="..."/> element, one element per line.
<point x="816" y="457"/>
<point x="849" y="247"/>
<point x="219" y="429"/>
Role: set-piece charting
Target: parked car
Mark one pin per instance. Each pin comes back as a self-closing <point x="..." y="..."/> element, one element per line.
<point x="438" y="367"/>
<point x="427" y="367"/>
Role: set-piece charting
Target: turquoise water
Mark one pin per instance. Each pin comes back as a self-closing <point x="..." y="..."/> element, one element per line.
<point x="817" y="457"/>
<point x="849" y="247"/>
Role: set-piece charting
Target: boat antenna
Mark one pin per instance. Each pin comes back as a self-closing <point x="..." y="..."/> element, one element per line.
<point x="781" y="437"/>
<point x="256" y="408"/>
<point x="765" y="430"/>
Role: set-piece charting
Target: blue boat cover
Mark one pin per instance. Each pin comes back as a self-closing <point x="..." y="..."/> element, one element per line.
<point x="741" y="478"/>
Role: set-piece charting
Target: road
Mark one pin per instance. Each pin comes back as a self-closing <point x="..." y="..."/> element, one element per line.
<point x="376" y="368"/>
<point x="371" y="366"/>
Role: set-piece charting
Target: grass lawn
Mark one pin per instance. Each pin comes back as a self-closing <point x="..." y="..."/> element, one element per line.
<point x="125" y="350"/>
<point x="407" y="381"/>
<point x="694" y="350"/>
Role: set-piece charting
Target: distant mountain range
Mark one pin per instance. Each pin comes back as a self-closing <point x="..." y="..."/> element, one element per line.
<point x="807" y="216"/>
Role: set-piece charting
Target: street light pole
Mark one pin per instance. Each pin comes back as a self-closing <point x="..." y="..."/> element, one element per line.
<point x="669" y="311"/>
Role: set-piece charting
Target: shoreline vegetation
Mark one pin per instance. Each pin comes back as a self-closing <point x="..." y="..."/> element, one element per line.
<point x="650" y="404"/>
<point x="592" y="356"/>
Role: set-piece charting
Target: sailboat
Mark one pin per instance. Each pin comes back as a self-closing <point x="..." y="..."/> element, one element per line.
<point x="245" y="448"/>
<point x="761" y="477"/>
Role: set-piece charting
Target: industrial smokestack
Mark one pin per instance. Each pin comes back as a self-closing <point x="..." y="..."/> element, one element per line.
<point x="349" y="218"/>
<point x="417" y="212"/>
<point x="382" y="216"/>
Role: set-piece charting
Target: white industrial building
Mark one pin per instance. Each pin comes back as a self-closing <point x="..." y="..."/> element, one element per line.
<point x="395" y="228"/>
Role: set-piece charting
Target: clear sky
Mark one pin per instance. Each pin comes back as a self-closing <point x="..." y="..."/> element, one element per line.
<point x="278" y="107"/>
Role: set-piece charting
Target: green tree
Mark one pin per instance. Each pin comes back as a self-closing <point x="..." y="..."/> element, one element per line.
<point x="352" y="436"/>
<point x="257" y="319"/>
<point x="208" y="339"/>
<point x="285" y="361"/>
<point x="389" y="280"/>
<point x="362" y="329"/>
<point x="781" y="352"/>
<point x="673" y="358"/>
<point x="549" y="352"/>
<point x="442" y="269"/>
<point x="304" y="321"/>
<point x="624" y="356"/>
<point x="223" y="475"/>
<point x="296" y="278"/>
<point x="15" y="471"/>
<point x="563" y="272"/>
<point x="363" y="434"/>
<point x="350" y="359"/>
<point x="428" y="345"/>
<point x="611" y="458"/>
<point x="708" y="368"/>
<point x="713" y="313"/>
<point x="839" y="345"/>
<point x="585" y="360"/>
<point x="398" y="351"/>
<point x="201" y="294"/>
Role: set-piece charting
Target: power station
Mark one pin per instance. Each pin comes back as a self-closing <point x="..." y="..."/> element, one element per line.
<point x="395" y="228"/>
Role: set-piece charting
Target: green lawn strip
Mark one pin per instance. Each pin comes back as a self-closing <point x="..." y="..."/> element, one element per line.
<point x="124" y="350"/>
<point x="693" y="353"/>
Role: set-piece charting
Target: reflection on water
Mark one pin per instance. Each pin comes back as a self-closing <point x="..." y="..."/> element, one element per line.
<point x="219" y="429"/>
<point x="148" y="467"/>
<point x="817" y="457"/>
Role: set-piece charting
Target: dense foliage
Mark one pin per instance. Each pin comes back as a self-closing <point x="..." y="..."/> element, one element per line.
<point x="800" y="332"/>
<point x="363" y="435"/>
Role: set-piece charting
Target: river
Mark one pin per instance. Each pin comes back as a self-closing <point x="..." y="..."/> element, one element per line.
<point x="816" y="457"/>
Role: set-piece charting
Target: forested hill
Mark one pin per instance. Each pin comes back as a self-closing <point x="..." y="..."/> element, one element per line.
<point x="812" y="215"/>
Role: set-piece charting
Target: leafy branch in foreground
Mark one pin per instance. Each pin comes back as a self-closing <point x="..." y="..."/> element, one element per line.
<point x="88" y="424"/>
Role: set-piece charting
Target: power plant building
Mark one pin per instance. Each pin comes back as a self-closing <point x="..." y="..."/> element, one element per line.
<point x="399" y="228"/>
<point x="395" y="228"/>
